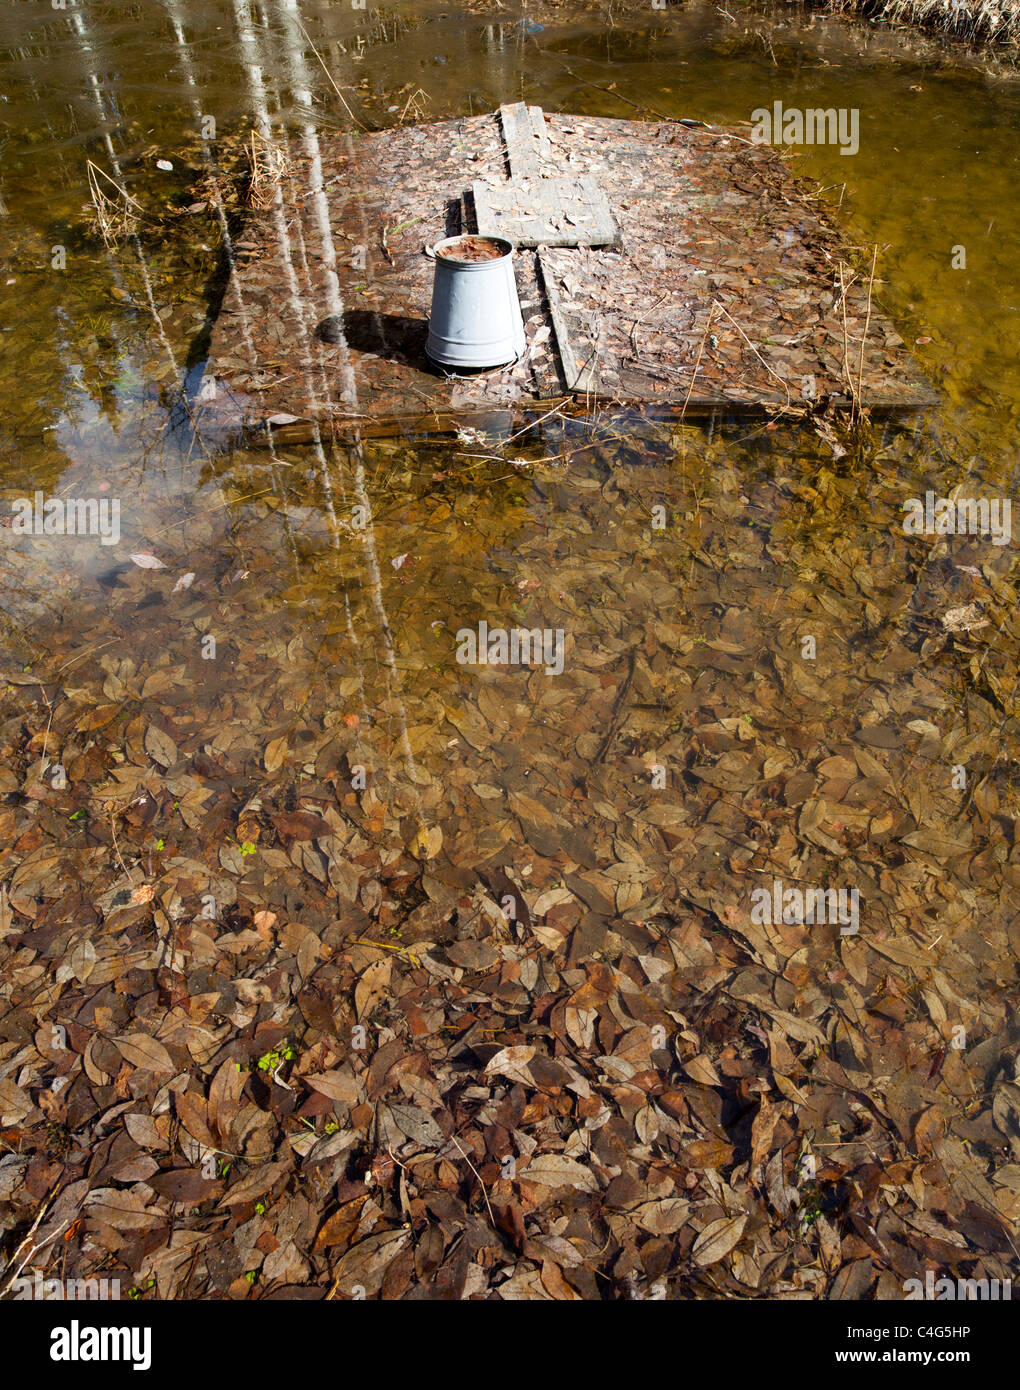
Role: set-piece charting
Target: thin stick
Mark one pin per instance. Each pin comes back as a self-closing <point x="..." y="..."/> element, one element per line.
<point x="34" y="1250"/>
<point x="867" y="321"/>
<point x="697" y="360"/>
<point x="46" y="735"/>
<point x="757" y="354"/>
<point x="82" y="655"/>
<point x="388" y="946"/>
<point x="556" y="410"/>
<point x="116" y="846"/>
<point x="621" y="695"/>
<point x="846" y="342"/>
<point x="479" y="1177"/>
<point x="690" y="389"/>
<point x="330" y="76"/>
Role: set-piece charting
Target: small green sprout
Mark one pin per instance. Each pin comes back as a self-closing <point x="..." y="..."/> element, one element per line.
<point x="276" y="1057"/>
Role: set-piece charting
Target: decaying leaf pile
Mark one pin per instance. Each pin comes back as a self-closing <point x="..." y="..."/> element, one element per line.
<point x="491" y="1017"/>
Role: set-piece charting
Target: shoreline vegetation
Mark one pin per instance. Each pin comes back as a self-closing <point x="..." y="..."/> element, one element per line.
<point x="994" y="23"/>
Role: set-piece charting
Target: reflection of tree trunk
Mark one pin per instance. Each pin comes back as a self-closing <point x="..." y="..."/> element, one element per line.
<point x="255" y="66"/>
<point x="85" y="45"/>
<point x="286" y="249"/>
<point x="79" y="23"/>
<point x="302" y="91"/>
<point x="307" y="315"/>
<point x="187" y="67"/>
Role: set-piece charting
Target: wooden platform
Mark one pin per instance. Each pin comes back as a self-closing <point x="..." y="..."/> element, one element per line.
<point x="668" y="264"/>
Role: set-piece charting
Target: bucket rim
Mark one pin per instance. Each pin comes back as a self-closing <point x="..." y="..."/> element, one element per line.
<point x="437" y="246"/>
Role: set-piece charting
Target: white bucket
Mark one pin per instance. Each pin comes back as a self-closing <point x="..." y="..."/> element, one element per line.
<point x="476" y="313"/>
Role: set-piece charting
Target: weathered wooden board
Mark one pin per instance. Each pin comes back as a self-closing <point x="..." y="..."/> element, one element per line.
<point x="722" y="295"/>
<point x="526" y="139"/>
<point x="577" y="375"/>
<point x="539" y="206"/>
<point x="546" y="212"/>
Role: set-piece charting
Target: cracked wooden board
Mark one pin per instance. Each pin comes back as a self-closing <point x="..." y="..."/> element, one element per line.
<point x="546" y="212"/>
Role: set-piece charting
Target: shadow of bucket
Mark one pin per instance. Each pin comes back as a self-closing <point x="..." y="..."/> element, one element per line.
<point x="475" y="320"/>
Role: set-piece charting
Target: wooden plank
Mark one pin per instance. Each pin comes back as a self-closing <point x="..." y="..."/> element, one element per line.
<point x="577" y="376"/>
<point x="532" y="210"/>
<point x="547" y="212"/>
<point x="540" y="132"/>
<point x="521" y="145"/>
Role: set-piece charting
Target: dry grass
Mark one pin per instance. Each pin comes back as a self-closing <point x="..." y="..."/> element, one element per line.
<point x="415" y="109"/>
<point x="266" y="165"/>
<point x="978" y="21"/>
<point x="115" y="214"/>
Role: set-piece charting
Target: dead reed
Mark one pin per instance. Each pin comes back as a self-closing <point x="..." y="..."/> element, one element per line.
<point x="266" y="164"/>
<point x="978" y="21"/>
<point x="115" y="214"/>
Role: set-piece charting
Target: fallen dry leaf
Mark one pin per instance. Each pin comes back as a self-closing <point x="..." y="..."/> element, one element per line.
<point x="717" y="1240"/>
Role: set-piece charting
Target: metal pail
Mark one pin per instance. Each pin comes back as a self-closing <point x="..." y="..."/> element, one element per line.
<point x="476" y="313"/>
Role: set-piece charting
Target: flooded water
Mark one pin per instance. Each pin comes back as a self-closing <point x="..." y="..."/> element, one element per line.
<point x="752" y="674"/>
<point x="95" y="353"/>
